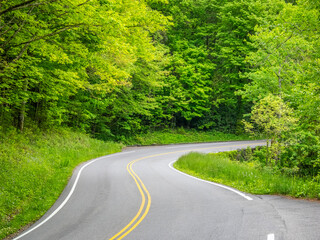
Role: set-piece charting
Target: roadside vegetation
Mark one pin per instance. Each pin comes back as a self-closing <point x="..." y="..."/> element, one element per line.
<point x="119" y="69"/>
<point x="249" y="175"/>
<point x="35" y="168"/>
<point x="126" y="71"/>
<point x="181" y="135"/>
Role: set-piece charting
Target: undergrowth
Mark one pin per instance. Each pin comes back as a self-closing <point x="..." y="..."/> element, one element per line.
<point x="181" y="135"/>
<point x="35" y="168"/>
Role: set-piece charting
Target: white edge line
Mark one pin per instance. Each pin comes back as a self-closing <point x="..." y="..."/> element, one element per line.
<point x="271" y="236"/>
<point x="213" y="183"/>
<point x="69" y="195"/>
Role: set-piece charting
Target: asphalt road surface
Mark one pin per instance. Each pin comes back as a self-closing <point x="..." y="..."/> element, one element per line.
<point x="137" y="195"/>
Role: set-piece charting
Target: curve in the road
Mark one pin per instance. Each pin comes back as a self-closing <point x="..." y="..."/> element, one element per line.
<point x="68" y="197"/>
<point x="126" y="230"/>
<point x="145" y="195"/>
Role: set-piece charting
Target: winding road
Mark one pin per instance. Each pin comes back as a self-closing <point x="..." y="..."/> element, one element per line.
<point x="137" y="195"/>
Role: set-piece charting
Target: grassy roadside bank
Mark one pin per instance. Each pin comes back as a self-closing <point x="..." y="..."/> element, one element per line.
<point x="180" y="135"/>
<point x="246" y="177"/>
<point x="35" y="168"/>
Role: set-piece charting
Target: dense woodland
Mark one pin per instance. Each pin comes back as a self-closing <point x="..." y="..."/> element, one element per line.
<point x="115" y="68"/>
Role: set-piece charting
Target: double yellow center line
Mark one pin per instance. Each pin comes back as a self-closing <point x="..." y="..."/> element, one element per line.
<point x="144" y="192"/>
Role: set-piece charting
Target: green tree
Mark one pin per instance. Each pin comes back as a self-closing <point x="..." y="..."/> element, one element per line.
<point x="272" y="118"/>
<point x="236" y="21"/>
<point x="49" y="48"/>
<point x="185" y="96"/>
<point x="209" y="42"/>
<point x="287" y="65"/>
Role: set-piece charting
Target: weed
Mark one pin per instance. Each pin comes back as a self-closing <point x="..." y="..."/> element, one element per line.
<point x="35" y="168"/>
<point x="246" y="176"/>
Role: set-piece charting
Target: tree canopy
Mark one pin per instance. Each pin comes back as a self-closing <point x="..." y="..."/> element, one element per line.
<point x="115" y="68"/>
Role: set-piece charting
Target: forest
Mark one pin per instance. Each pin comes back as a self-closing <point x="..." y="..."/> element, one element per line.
<point x="116" y="68"/>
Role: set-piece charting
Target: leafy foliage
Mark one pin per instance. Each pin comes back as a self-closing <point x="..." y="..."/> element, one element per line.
<point x="52" y="50"/>
<point x="116" y="69"/>
<point x="272" y="117"/>
<point x="123" y="69"/>
<point x="286" y="66"/>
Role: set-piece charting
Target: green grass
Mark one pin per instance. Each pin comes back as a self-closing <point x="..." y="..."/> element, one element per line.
<point x="171" y="136"/>
<point x="247" y="177"/>
<point x="35" y="168"/>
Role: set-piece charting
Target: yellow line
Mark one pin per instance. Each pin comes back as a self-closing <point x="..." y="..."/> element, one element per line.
<point x="142" y="202"/>
<point x="145" y="212"/>
<point x="135" y="177"/>
<point x="138" y="182"/>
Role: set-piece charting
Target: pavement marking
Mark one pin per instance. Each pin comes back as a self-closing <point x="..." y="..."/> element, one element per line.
<point x="69" y="195"/>
<point x="271" y="236"/>
<point x="212" y="183"/>
<point x="124" y="232"/>
<point x="138" y="182"/>
<point x="133" y="174"/>
<point x="146" y="210"/>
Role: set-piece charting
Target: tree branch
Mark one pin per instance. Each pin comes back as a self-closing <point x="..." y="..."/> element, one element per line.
<point x="6" y="24"/>
<point x="18" y="30"/>
<point x="18" y="6"/>
<point x="266" y="58"/>
<point x="83" y="3"/>
<point x="68" y="11"/>
<point x="51" y="34"/>
<point x="22" y="51"/>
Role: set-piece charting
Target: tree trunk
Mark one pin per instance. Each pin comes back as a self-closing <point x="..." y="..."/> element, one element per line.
<point x="279" y="116"/>
<point x="23" y="107"/>
<point x="267" y="153"/>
